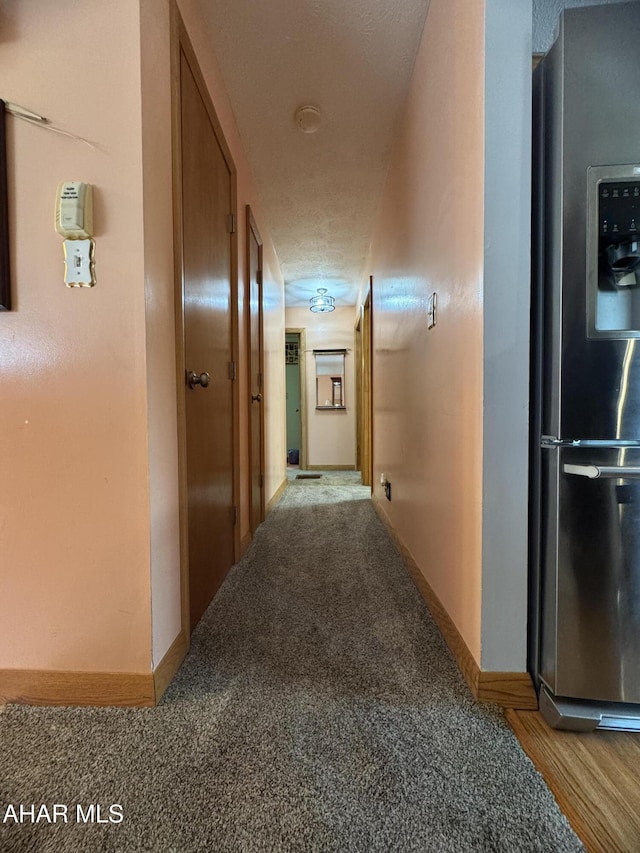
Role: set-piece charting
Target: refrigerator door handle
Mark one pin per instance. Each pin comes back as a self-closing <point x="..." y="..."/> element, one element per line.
<point x="594" y="472"/>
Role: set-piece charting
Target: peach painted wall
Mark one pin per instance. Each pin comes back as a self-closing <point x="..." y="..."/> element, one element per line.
<point x="162" y="417"/>
<point x="74" y="580"/>
<point x="428" y="384"/>
<point x="451" y="404"/>
<point x="331" y="436"/>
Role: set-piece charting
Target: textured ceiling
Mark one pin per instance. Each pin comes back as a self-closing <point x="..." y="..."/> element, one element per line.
<point x="353" y="60"/>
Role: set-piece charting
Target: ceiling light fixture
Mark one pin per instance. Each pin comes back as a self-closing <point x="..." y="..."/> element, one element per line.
<point x="308" y="119"/>
<point x="321" y="304"/>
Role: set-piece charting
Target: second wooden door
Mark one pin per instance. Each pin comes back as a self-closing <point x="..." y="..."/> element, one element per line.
<point x="256" y="373"/>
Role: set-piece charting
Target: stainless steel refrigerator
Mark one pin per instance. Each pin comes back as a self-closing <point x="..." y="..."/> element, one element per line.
<point x="585" y="472"/>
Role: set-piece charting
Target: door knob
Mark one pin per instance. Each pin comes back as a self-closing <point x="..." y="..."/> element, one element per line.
<point x="194" y="379"/>
<point x="256" y="398"/>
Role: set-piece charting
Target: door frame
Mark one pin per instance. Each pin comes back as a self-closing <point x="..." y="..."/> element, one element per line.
<point x="180" y="43"/>
<point x="302" y="364"/>
<point x="252" y="228"/>
<point x="364" y="386"/>
<point x="358" y="389"/>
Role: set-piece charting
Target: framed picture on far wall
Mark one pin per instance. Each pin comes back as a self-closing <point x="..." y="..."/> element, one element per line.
<point x="5" y="281"/>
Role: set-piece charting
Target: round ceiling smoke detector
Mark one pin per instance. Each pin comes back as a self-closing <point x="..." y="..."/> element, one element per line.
<point x="308" y="119"/>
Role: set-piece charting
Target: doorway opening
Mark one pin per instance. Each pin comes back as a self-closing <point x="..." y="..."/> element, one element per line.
<point x="296" y="397"/>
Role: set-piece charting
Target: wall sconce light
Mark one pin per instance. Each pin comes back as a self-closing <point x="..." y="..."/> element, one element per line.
<point x="321" y="303"/>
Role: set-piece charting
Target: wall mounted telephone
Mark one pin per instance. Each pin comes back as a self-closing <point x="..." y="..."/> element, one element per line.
<point x="74" y="210"/>
<point x="74" y="221"/>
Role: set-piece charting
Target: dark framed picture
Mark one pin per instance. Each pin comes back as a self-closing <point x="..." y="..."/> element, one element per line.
<point x="5" y="281"/>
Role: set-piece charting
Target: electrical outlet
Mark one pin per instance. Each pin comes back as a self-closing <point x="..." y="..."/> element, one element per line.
<point x="387" y="490"/>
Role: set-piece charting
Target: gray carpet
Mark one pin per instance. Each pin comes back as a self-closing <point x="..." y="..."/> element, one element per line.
<point x="327" y="478"/>
<point x="318" y="710"/>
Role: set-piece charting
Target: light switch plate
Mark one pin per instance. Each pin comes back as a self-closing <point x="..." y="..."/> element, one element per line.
<point x="79" y="270"/>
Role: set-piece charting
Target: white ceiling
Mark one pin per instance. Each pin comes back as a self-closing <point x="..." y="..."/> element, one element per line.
<point x="353" y="60"/>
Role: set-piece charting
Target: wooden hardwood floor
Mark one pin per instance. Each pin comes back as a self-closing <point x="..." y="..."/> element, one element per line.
<point x="595" y="778"/>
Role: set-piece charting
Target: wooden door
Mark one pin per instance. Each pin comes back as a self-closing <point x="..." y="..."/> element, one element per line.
<point x="256" y="373"/>
<point x="206" y="192"/>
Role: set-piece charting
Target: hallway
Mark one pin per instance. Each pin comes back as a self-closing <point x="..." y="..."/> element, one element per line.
<point x="87" y="615"/>
<point x="318" y="709"/>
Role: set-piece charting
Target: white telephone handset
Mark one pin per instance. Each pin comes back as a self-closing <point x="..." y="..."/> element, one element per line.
<point x="74" y="221"/>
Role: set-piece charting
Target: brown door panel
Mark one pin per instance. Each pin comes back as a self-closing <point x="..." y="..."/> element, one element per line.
<point x="256" y="360"/>
<point x="207" y="319"/>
